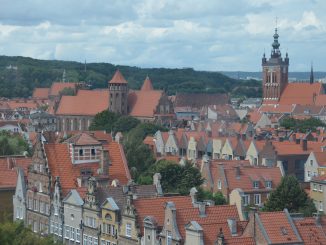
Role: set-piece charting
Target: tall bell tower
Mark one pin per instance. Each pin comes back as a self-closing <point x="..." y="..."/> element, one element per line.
<point x="118" y="88"/>
<point x="275" y="73"/>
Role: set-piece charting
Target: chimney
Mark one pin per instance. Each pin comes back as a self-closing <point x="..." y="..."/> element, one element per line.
<point x="237" y="172"/>
<point x="304" y="145"/>
<point x="202" y="209"/>
<point x="105" y="162"/>
<point x="232" y="223"/>
<point x="294" y="137"/>
<point x="193" y="195"/>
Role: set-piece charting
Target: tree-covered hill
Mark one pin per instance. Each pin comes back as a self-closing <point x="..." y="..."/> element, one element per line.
<point x="31" y="73"/>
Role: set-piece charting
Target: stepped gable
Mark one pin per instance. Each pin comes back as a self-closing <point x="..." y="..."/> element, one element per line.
<point x="86" y="102"/>
<point x="301" y="93"/>
<point x="147" y="85"/>
<point x="118" y="78"/>
<point x="198" y="100"/>
<point x="41" y="93"/>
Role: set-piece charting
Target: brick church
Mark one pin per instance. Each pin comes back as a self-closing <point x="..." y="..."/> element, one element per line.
<point x="148" y="105"/>
<point x="276" y="88"/>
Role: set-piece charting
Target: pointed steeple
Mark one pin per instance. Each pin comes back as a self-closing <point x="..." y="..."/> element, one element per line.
<point x="147" y="85"/>
<point x="118" y="78"/>
<point x="311" y="74"/>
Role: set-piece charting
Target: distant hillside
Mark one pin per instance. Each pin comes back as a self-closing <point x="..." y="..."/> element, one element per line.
<point x="20" y="75"/>
<point x="293" y="76"/>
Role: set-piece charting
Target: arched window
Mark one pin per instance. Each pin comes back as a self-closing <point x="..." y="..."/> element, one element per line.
<point x="108" y="217"/>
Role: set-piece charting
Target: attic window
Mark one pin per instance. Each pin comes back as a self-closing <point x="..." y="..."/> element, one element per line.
<point x="268" y="184"/>
<point x="108" y="217"/>
<point x="256" y="184"/>
<point x="284" y="231"/>
<point x="81" y="152"/>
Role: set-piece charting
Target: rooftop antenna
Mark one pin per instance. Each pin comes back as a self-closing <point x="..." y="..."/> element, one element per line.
<point x="276" y="22"/>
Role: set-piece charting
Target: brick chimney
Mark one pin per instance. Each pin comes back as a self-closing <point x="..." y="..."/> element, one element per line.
<point x="193" y="195"/>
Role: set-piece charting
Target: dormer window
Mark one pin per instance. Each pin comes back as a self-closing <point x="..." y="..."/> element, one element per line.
<point x="108" y="217"/>
<point x="268" y="184"/>
<point x="256" y="184"/>
<point x="81" y="152"/>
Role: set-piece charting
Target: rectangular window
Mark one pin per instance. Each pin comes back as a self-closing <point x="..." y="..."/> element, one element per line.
<point x="35" y="205"/>
<point x="219" y="185"/>
<point x="85" y="239"/>
<point x="320" y="188"/>
<point x="128" y="230"/>
<point x="315" y="187"/>
<point x="90" y="240"/>
<point x="269" y="184"/>
<point x="321" y="206"/>
<point x="60" y="229"/>
<point x="72" y="234"/>
<point x="168" y="238"/>
<point x="103" y="242"/>
<point x="51" y="227"/>
<point x="30" y="203"/>
<point x="77" y="235"/>
<point x="257" y="198"/>
<point x="35" y="226"/>
<point x="256" y="184"/>
<point x="42" y="209"/>
<point x="93" y="152"/>
<point x="245" y="200"/>
<point x="95" y="241"/>
<point x="67" y="232"/>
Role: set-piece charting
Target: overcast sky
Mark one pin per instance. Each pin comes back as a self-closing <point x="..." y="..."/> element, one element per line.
<point x="215" y="35"/>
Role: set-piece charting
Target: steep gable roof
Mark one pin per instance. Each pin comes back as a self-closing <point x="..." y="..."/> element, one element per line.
<point x="83" y="139"/>
<point x="309" y="231"/>
<point x="118" y="78"/>
<point x="147" y="85"/>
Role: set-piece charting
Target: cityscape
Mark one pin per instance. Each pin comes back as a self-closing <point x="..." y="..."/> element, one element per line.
<point x="209" y="143"/>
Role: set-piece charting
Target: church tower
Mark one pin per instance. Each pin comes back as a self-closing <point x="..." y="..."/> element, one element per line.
<point x="275" y="73"/>
<point x="118" y="89"/>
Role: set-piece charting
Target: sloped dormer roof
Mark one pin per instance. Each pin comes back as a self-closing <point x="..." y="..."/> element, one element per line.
<point x="83" y="139"/>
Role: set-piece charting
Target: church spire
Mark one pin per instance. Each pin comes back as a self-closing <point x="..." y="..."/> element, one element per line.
<point x="276" y="45"/>
<point x="311" y="74"/>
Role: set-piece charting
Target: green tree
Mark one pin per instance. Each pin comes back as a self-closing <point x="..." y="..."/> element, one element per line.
<point x="302" y="126"/>
<point x="12" y="144"/>
<point x="217" y="197"/>
<point x="17" y="234"/>
<point x="67" y="91"/>
<point x="104" y="121"/>
<point x="290" y="195"/>
<point x="125" y="124"/>
<point x="176" y="178"/>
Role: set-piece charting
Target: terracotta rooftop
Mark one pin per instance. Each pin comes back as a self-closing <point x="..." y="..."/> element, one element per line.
<point x="83" y="139"/>
<point x="86" y="102"/>
<point x="144" y="103"/>
<point x="8" y="170"/>
<point x="57" y="87"/>
<point x="277" y="108"/>
<point x="278" y="227"/>
<point x="41" y="93"/>
<point x="291" y="148"/>
<point x="301" y="93"/>
<point x="321" y="158"/>
<point x="29" y="104"/>
<point x="310" y="232"/>
<point x="147" y="85"/>
<point x="118" y="78"/>
<point x="155" y="207"/>
<point x="321" y="100"/>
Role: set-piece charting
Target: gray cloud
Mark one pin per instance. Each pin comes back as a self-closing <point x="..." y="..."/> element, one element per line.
<point x="206" y="35"/>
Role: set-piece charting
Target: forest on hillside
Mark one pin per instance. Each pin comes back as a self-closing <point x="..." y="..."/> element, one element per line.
<point x="20" y="75"/>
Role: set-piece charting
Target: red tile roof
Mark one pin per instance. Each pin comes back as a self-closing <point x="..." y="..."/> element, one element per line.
<point x="119" y="166"/>
<point x="321" y="158"/>
<point x="321" y="100"/>
<point x="144" y="103"/>
<point x="249" y="174"/>
<point x="29" y="104"/>
<point x="149" y="140"/>
<point x="57" y="87"/>
<point x="310" y="232"/>
<point x="83" y="139"/>
<point x="301" y="93"/>
<point x="278" y="227"/>
<point x="147" y="85"/>
<point x="118" y="78"/>
<point x="277" y="108"/>
<point x="155" y="207"/>
<point x="8" y="169"/>
<point x="291" y="148"/>
<point x="41" y="93"/>
<point x="86" y="102"/>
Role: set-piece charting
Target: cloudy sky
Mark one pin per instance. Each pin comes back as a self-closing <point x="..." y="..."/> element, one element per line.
<point x="214" y="35"/>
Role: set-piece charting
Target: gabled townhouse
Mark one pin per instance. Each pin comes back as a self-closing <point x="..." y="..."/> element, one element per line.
<point x="172" y="144"/>
<point x="227" y="151"/>
<point x="253" y="151"/>
<point x="160" y="139"/>
<point x="290" y="156"/>
<point x="217" y="147"/>
<point x="19" y="199"/>
<point x="241" y="149"/>
<point x="315" y="165"/>
<point x="243" y="185"/>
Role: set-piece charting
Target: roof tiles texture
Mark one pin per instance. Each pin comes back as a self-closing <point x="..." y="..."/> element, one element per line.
<point x="310" y="233"/>
<point x="41" y="93"/>
<point x="118" y="78"/>
<point x="57" y="87"/>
